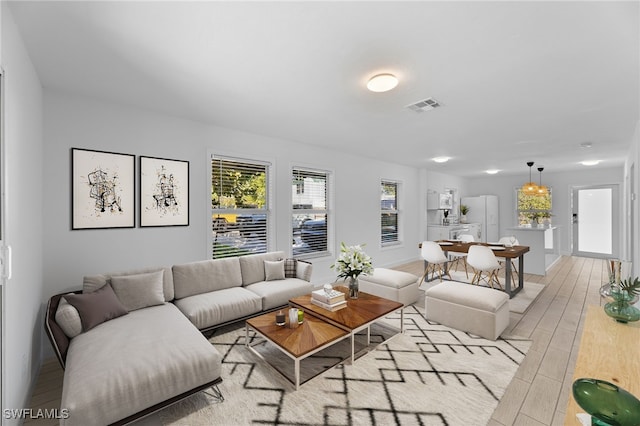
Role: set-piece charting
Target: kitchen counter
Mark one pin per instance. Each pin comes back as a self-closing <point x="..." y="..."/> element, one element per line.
<point x="543" y="244"/>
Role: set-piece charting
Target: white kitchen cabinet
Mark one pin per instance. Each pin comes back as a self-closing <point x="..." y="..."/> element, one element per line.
<point x="437" y="232"/>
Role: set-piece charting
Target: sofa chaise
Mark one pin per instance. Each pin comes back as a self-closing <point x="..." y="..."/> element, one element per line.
<point x="132" y="343"/>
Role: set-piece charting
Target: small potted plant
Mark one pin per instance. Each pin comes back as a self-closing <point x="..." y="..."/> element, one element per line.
<point x="463" y="213"/>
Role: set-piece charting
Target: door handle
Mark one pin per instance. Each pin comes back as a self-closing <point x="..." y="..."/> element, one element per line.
<point x="574" y="218"/>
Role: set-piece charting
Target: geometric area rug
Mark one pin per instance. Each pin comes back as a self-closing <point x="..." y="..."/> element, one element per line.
<point x="430" y="375"/>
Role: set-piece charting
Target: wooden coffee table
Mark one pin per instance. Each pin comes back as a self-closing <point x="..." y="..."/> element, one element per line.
<point x="313" y="335"/>
<point x="359" y="314"/>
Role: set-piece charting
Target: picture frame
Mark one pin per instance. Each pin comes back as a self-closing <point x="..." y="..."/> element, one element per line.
<point x="102" y="189"/>
<point x="164" y="192"/>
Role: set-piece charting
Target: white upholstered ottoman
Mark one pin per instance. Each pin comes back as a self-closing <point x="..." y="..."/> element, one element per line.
<point x="398" y="286"/>
<point x="478" y="310"/>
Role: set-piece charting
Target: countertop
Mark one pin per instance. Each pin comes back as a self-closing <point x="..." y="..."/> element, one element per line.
<point x="529" y="228"/>
<point x="451" y="225"/>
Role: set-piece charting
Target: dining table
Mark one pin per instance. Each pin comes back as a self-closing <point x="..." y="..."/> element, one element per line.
<point x="508" y="253"/>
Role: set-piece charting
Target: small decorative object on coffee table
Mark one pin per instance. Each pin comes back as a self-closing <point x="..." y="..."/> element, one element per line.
<point x="352" y="262"/>
<point x="280" y="318"/>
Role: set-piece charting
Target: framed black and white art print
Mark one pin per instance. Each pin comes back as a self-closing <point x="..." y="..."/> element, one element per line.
<point x="102" y="189"/>
<point x="164" y="192"/>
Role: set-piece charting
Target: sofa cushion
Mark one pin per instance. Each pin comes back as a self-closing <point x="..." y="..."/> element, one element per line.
<point x="290" y="268"/>
<point x="94" y="282"/>
<point x="278" y="293"/>
<point x="139" y="291"/>
<point x="274" y="270"/>
<point x="134" y="362"/>
<point x="68" y="318"/>
<point x="252" y="266"/>
<point x="208" y="275"/>
<point x="217" y="307"/>
<point x="97" y="307"/>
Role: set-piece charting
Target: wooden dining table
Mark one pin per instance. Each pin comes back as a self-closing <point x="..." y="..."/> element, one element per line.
<point x="500" y="250"/>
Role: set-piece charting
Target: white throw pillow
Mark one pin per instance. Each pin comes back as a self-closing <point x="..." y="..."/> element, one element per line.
<point x="274" y="270"/>
<point x="68" y="318"/>
<point x="139" y="291"/>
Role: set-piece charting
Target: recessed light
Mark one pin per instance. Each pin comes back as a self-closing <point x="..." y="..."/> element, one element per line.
<point x="492" y="171"/>
<point x="590" y="162"/>
<point x="382" y="82"/>
<point x="586" y="145"/>
<point x="441" y="159"/>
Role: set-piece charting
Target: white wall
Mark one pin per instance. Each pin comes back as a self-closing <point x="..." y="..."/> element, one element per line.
<point x="23" y="149"/>
<point x="78" y="122"/>
<point x="631" y="241"/>
<point x="560" y="182"/>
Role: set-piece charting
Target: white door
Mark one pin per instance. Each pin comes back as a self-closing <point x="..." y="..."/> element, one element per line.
<point x="595" y="218"/>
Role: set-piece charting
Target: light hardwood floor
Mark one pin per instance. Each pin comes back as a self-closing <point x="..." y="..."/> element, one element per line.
<point x="539" y="392"/>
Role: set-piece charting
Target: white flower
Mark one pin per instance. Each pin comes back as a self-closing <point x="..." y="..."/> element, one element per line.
<point x="352" y="261"/>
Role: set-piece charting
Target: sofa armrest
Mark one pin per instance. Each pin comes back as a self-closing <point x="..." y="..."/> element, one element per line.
<point x="58" y="339"/>
<point x="303" y="270"/>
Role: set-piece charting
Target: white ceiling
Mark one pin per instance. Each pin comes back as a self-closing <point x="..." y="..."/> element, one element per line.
<point x="518" y="81"/>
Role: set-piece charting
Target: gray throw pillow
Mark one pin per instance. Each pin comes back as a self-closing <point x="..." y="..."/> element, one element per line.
<point x="274" y="270"/>
<point x="68" y="319"/>
<point x="97" y="307"/>
<point x="140" y="290"/>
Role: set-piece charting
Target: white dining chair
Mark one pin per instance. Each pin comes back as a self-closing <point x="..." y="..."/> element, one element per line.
<point x="507" y="242"/>
<point x="432" y="253"/>
<point x="456" y="258"/>
<point x="483" y="261"/>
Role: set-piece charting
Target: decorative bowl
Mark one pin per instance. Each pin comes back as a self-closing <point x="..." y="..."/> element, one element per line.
<point x="607" y="403"/>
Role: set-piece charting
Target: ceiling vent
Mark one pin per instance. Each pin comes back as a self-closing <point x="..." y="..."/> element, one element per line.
<point x="424" y="105"/>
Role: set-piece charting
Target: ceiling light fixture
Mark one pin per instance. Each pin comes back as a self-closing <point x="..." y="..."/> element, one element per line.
<point x="590" y="162"/>
<point x="441" y="159"/>
<point x="382" y="83"/>
<point x="530" y="188"/>
<point x="542" y="190"/>
<point x="586" y="145"/>
<point x="492" y="171"/>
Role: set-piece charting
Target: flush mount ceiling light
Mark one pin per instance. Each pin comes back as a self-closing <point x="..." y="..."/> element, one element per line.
<point x="441" y="159"/>
<point x="590" y="162"/>
<point x="586" y="145"/>
<point x="492" y="171"/>
<point x="382" y="82"/>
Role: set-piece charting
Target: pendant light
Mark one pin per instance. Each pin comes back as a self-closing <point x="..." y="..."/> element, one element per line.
<point x="542" y="190"/>
<point x="529" y="188"/>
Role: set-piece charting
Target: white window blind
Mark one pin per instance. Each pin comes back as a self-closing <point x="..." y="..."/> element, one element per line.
<point x="389" y="213"/>
<point x="309" y="194"/>
<point x="239" y="206"/>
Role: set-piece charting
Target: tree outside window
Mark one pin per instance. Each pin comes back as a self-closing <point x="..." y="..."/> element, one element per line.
<point x="533" y="208"/>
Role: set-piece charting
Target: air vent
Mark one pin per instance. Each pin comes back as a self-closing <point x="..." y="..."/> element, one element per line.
<point x="424" y="105"/>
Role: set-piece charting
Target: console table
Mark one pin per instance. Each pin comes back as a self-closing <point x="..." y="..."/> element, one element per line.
<point x="608" y="351"/>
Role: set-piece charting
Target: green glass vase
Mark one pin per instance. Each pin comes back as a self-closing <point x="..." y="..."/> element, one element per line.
<point x="621" y="308"/>
<point x="607" y="403"/>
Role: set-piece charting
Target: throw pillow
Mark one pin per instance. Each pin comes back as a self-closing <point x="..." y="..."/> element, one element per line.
<point x="140" y="290"/>
<point x="290" y="268"/>
<point x="68" y="319"/>
<point x="274" y="270"/>
<point x="97" y="307"/>
<point x="306" y="270"/>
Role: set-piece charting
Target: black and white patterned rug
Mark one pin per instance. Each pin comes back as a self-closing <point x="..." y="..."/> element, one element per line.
<point x="430" y="375"/>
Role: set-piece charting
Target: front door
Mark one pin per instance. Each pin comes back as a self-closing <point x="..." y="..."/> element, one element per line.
<point x="595" y="219"/>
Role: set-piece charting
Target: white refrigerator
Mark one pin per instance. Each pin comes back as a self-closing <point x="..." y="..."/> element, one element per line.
<point x="483" y="209"/>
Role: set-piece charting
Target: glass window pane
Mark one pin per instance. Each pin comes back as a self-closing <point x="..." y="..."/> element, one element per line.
<point x="595" y="221"/>
<point x="389" y="212"/>
<point x="239" y="207"/>
<point x="309" y="189"/>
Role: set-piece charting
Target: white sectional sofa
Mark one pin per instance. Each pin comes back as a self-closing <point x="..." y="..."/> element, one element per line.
<point x="131" y="343"/>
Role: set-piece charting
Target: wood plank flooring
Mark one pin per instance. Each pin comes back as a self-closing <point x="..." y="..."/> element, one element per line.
<point x="539" y="392"/>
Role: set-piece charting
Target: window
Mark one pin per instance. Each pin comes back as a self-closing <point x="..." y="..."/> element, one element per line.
<point x="239" y="207"/>
<point x="389" y="213"/>
<point x="532" y="208"/>
<point x="309" y="189"/>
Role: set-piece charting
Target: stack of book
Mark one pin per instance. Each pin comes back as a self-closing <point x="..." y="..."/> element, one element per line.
<point x="332" y="301"/>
